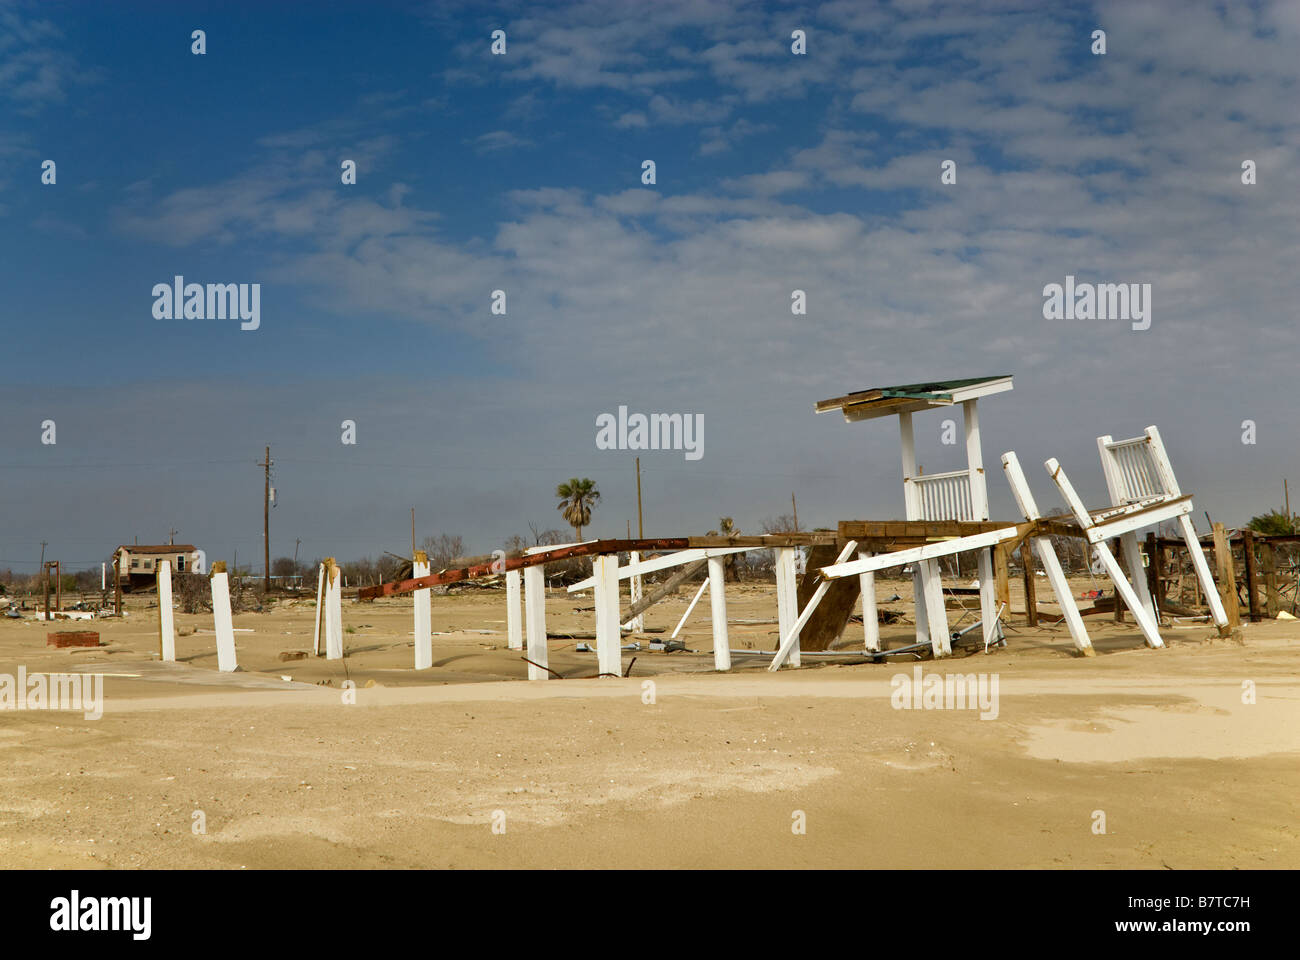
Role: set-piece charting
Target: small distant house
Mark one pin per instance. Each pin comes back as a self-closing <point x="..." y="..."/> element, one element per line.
<point x="138" y="562"/>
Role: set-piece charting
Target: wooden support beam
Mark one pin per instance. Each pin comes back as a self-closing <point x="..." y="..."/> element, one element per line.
<point x="1031" y="591"/>
<point x="665" y="589"/>
<point x="519" y="562"/>
<point x="1252" y="581"/>
<point x="1001" y="580"/>
<point x="320" y="610"/>
<point x="1268" y="566"/>
<point x="1227" y="576"/>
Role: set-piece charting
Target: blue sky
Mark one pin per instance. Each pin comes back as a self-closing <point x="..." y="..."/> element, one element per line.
<point x="775" y="172"/>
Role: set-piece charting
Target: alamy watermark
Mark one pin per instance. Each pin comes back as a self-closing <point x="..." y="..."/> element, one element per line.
<point x="657" y="431"/>
<point x="179" y="300"/>
<point x="53" y="691"/>
<point x="1098" y="301"/>
<point x="953" y="691"/>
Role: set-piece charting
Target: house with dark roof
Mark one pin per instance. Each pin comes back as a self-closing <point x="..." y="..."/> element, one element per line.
<point x="137" y="563"/>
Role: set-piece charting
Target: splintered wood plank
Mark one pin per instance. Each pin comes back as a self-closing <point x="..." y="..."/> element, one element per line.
<point x="832" y="614"/>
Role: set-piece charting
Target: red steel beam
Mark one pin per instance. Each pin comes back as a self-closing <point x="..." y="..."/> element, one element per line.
<point x="517" y="563"/>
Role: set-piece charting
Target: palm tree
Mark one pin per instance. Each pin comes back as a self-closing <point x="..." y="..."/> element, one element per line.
<point x="577" y="497"/>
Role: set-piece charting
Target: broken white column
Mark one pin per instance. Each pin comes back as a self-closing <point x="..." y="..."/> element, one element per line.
<point x="514" y="626"/>
<point x="333" y="610"/>
<point x="936" y="611"/>
<point x="637" y="623"/>
<point x="609" y="656"/>
<point x="535" y="620"/>
<point x="787" y="598"/>
<point x="166" y="619"/>
<point x="1046" y="554"/>
<point x="870" y="618"/>
<point x="423" y="636"/>
<point x="222" y="623"/>
<point x="718" y="604"/>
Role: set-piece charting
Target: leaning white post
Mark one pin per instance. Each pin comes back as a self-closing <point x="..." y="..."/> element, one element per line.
<point x="787" y="598"/>
<point x="423" y="630"/>
<point x="789" y="641"/>
<point x="222" y="624"/>
<point x="514" y="628"/>
<point x="689" y="607"/>
<point x="333" y="610"/>
<point x="1043" y="547"/>
<point x="1202" y="570"/>
<point x="535" y="620"/>
<point x="936" y="613"/>
<point x="870" y="618"/>
<point x="166" y="619"/>
<point x="320" y="610"/>
<point x="637" y="623"/>
<point x="718" y="605"/>
<point x="1113" y="570"/>
<point x="609" y="656"/>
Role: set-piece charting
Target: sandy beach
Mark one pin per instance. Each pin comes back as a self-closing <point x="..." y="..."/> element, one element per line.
<point x="468" y="764"/>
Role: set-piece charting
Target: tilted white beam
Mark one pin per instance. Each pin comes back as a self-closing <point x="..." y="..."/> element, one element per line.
<point x="931" y="551"/>
<point x="663" y="563"/>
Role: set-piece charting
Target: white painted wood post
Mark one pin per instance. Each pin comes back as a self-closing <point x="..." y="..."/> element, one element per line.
<point x="535" y="620"/>
<point x="787" y="598"/>
<point x="1113" y="570"/>
<point x="988" y="595"/>
<point x="718" y="605"/>
<point x="637" y="623"/>
<point x="788" y="641"/>
<point x="166" y="618"/>
<point x="936" y="613"/>
<point x="609" y="639"/>
<point x="870" y="617"/>
<point x="222" y="623"/>
<point x="514" y="626"/>
<point x="320" y="610"/>
<point x="333" y="610"/>
<point x="1047" y="554"/>
<point x="1202" y="570"/>
<point x="919" y="604"/>
<point x="423" y="614"/>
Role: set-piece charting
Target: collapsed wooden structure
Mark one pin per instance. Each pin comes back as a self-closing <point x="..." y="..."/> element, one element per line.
<point x="947" y="514"/>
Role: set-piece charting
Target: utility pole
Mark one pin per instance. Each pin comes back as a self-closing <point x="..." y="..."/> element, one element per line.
<point x="795" y="507"/>
<point x="171" y="536"/>
<point x="43" y="542"/>
<point x="640" y="527"/>
<point x="266" y="524"/>
<point x="296" y="544"/>
<point x="413" y="533"/>
<point x="1286" y="496"/>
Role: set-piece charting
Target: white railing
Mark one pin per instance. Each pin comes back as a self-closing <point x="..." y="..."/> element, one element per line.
<point x="944" y="496"/>
<point x="1135" y="469"/>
